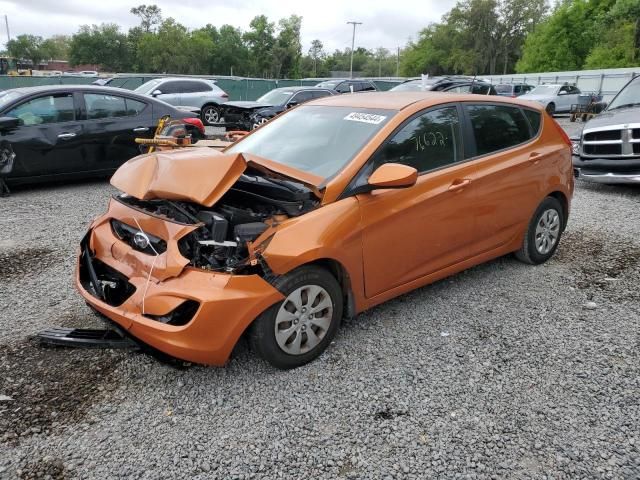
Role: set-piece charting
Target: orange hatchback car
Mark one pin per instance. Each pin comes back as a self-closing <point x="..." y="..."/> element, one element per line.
<point x="329" y="209"/>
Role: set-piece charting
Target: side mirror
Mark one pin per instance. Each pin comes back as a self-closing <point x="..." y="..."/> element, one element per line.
<point x="393" y="175"/>
<point x="155" y="93"/>
<point x="292" y="103"/>
<point x="9" y="123"/>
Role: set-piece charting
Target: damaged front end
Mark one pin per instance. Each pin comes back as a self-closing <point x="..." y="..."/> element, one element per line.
<point x="177" y="259"/>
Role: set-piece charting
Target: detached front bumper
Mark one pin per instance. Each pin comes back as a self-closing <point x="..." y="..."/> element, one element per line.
<point x="194" y="315"/>
<point x="609" y="171"/>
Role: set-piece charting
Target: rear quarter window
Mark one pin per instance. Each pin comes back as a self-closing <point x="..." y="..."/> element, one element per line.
<point x="535" y="119"/>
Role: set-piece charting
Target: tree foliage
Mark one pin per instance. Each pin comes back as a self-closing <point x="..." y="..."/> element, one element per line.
<point x="584" y="34"/>
<point x="475" y="37"/>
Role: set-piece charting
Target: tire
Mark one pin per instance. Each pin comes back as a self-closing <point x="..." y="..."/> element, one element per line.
<point x="551" y="108"/>
<point x="543" y="233"/>
<point x="210" y="114"/>
<point x="294" y="346"/>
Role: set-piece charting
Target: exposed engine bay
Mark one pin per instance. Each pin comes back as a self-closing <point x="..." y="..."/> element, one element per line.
<point x="252" y="205"/>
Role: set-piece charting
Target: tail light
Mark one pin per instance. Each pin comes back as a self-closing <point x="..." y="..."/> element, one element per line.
<point x="196" y="122"/>
<point x="224" y="95"/>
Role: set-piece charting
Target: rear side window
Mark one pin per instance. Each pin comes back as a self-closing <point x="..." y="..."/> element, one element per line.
<point x="496" y="127"/>
<point x="429" y="141"/>
<point x="48" y="109"/>
<point x="104" y="106"/>
<point x="367" y="87"/>
<point x="134" y="107"/>
<point x="534" y="119"/>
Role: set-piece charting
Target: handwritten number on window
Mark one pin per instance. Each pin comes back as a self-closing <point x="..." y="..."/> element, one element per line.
<point x="430" y="139"/>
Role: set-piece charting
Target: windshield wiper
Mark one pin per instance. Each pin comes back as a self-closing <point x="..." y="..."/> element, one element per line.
<point x="625" y="105"/>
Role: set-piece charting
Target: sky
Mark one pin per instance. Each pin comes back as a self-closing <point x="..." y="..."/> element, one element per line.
<point x="385" y="23"/>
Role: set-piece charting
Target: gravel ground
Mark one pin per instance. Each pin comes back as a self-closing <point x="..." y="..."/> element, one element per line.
<point x="503" y="371"/>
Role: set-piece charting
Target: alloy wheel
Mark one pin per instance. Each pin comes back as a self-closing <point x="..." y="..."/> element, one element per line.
<point x="211" y="115"/>
<point x="547" y="231"/>
<point x="303" y="319"/>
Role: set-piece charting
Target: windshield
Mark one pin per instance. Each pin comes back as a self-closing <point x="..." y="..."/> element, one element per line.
<point x="316" y="139"/>
<point x="8" y="96"/>
<point x="544" y="90"/>
<point x="629" y="96"/>
<point x="275" y="97"/>
<point x="148" y="87"/>
<point x="503" y="88"/>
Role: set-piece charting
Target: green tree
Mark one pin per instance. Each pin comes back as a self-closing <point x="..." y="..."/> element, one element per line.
<point x="316" y="54"/>
<point x="56" y="47"/>
<point x="287" y="49"/>
<point x="232" y="54"/>
<point x="27" y="47"/>
<point x="260" y="40"/>
<point x="150" y="16"/>
<point x="101" y="45"/>
<point x="164" y="51"/>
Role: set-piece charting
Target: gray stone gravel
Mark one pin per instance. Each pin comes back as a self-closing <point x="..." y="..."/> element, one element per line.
<point x="503" y="371"/>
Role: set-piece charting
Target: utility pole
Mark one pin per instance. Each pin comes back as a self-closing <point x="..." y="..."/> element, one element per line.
<point x="6" y="22"/>
<point x="398" y="63"/>
<point x="353" y="42"/>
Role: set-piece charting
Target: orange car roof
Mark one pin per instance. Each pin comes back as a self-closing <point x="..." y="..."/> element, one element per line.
<point x="400" y="100"/>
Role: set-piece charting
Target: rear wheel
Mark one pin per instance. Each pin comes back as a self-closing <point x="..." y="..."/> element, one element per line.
<point x="551" y="108"/>
<point x="210" y="114"/>
<point x="298" y="329"/>
<point x="543" y="234"/>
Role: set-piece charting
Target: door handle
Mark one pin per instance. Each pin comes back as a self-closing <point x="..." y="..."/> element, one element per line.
<point x="140" y="129"/>
<point x="66" y="136"/>
<point x="459" y="184"/>
<point x="534" y="157"/>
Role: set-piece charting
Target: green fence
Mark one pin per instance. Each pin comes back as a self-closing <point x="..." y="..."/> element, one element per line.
<point x="237" y="88"/>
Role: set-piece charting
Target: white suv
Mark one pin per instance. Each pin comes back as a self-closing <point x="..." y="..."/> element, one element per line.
<point x="188" y="92"/>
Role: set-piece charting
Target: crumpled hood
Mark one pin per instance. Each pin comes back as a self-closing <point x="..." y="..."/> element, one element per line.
<point x="622" y="116"/>
<point x="199" y="175"/>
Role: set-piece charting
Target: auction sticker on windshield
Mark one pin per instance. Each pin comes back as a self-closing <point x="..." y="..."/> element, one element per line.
<point x="365" y="117"/>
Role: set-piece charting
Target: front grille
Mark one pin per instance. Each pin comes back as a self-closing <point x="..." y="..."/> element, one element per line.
<point x="150" y="244"/>
<point x="602" y="149"/>
<point x="635" y="133"/>
<point x="636" y="148"/>
<point x="604" y="135"/>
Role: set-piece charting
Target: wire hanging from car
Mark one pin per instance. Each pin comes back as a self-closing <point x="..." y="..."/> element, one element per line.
<point x="153" y="265"/>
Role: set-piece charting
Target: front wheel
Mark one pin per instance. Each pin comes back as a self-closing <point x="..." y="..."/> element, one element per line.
<point x="543" y="234"/>
<point x="551" y="108"/>
<point x="298" y="329"/>
<point x="210" y="115"/>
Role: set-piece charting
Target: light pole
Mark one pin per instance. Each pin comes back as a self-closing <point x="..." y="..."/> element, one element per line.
<point x="353" y="41"/>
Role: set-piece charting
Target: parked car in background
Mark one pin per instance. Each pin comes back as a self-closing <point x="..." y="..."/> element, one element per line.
<point x="513" y="89"/>
<point x="555" y="98"/>
<point x="446" y="83"/>
<point x="477" y="88"/>
<point x="348" y="86"/>
<point x="608" y="150"/>
<point x="329" y="209"/>
<point x="203" y="94"/>
<point x="72" y="131"/>
<point x="245" y="115"/>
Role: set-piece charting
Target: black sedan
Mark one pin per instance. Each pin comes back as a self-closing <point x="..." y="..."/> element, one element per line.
<point x="250" y="115"/>
<point x="74" y="131"/>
